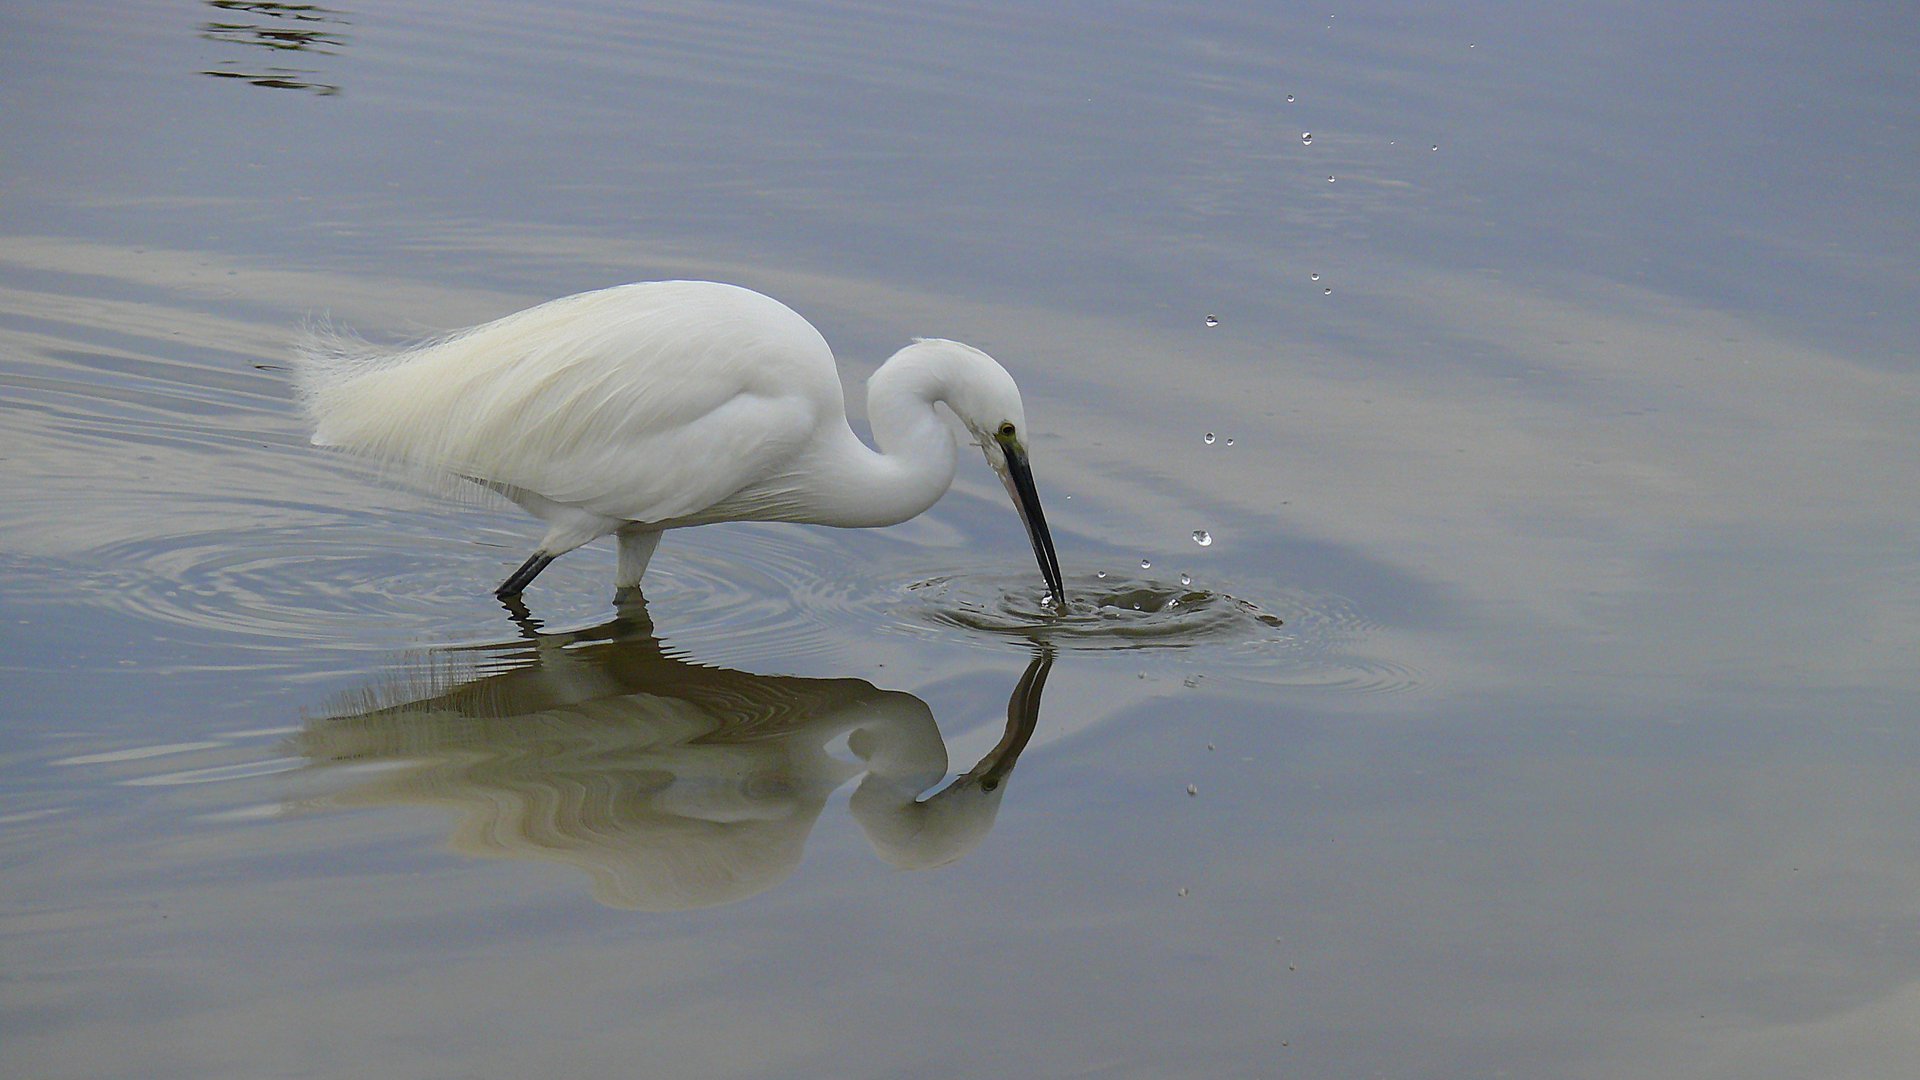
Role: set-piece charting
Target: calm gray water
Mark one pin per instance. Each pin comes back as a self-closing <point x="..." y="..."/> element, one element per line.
<point x="1543" y="705"/>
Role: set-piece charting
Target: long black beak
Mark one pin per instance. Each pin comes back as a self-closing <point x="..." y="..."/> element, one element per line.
<point x="1019" y="481"/>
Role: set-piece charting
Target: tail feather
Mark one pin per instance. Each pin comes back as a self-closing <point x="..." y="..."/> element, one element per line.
<point x="340" y="381"/>
<point x="330" y="367"/>
<point x="325" y="359"/>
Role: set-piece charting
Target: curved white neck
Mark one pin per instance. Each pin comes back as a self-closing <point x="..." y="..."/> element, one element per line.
<point x="915" y="461"/>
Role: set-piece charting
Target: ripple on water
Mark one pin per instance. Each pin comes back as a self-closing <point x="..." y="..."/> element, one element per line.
<point x="1295" y="639"/>
<point x="1100" y="613"/>
<point x="759" y="594"/>
<point x="367" y="582"/>
<point x="279" y="587"/>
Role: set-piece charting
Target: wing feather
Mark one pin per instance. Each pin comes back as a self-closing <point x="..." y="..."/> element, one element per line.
<point x="649" y="402"/>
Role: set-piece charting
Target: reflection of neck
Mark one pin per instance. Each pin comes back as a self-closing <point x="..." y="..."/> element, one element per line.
<point x="914" y="833"/>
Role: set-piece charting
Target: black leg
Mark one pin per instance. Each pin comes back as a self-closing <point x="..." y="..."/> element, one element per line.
<point x="521" y="578"/>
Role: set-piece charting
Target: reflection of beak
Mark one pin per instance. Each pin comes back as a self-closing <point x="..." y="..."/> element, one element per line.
<point x="1023" y="713"/>
<point x="1019" y="481"/>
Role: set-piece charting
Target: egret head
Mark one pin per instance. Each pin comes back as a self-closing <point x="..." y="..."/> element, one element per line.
<point x="987" y="401"/>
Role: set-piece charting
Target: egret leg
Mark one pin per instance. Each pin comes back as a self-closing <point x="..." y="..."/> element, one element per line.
<point x="636" y="550"/>
<point x="521" y="578"/>
<point x="567" y="528"/>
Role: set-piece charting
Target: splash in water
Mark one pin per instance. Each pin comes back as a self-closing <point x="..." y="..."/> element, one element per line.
<point x="1100" y="612"/>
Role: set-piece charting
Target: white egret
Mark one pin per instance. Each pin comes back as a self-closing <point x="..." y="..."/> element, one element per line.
<point x="644" y="407"/>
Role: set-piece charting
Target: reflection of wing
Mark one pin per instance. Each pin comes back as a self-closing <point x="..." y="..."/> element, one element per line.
<point x="671" y="785"/>
<point x="622" y="790"/>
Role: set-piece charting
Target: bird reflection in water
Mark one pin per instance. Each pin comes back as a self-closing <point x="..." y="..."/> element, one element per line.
<point x="671" y="785"/>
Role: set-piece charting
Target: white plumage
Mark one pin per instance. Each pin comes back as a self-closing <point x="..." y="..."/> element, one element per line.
<point x="655" y="405"/>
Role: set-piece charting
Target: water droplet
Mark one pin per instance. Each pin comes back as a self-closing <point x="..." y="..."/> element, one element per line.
<point x="1212" y="321"/>
<point x="1209" y="746"/>
<point x="1326" y="292"/>
<point x="1313" y="277"/>
<point x="1192" y="790"/>
<point x="1329" y="178"/>
<point x="1229" y="443"/>
<point x="1306" y="136"/>
<point x="1186" y="579"/>
<point x="1101" y="574"/>
<point x="1203" y="537"/>
<point x="1207" y="438"/>
<point x="1435" y="146"/>
<point x="1146" y="564"/>
<point x="1183" y="890"/>
<point x="1289" y="97"/>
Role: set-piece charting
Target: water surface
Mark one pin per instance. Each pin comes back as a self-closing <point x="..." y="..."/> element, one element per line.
<point x="1540" y="704"/>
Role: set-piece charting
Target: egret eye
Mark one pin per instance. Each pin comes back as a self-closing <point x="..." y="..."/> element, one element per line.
<point x="1006" y="430"/>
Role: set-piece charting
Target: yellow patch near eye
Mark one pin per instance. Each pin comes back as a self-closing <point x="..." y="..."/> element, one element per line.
<point x="1006" y="430"/>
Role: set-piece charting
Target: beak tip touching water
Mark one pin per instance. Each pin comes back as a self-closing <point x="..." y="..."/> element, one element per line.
<point x="1026" y="499"/>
